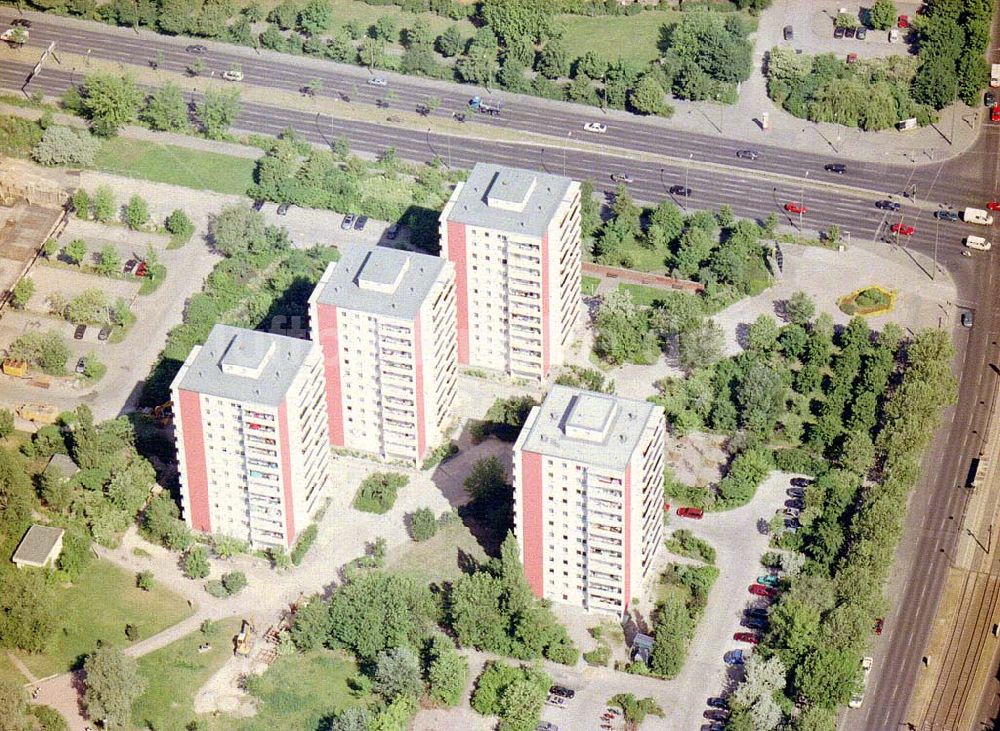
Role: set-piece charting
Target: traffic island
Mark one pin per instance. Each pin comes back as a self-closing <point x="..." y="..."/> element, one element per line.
<point x="868" y="301"/>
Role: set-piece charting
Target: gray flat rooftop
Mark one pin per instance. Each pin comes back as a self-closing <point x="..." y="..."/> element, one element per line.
<point x="37" y="543"/>
<point x="379" y="281"/>
<point x="583" y="426"/>
<point x="244" y="365"/>
<point x="509" y="199"/>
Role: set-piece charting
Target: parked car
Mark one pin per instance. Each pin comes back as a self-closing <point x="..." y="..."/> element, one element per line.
<point x="995" y="113"/>
<point x="768" y="580"/>
<point x="80" y="331"/>
<point x="129" y="266"/>
<point x="887" y="205"/>
<point x="794" y="207"/>
<point x="801" y="482"/>
<point x="836" y="167"/>
<point x="764" y="591"/>
<point x="554" y="700"/>
<point x="283" y="209"/>
<point x="967" y="319"/>
<point x="993" y="205"/>
<point x="622" y="178"/>
<point x="755" y="623"/>
<point x="81" y="365"/>
<point x="861" y="33"/>
<point x="104" y="333"/>
<point x="716" y="714"/>
<point x="348" y="223"/>
<point x="852" y="58"/>
<point x="142" y="269"/>
<point x="903" y="21"/>
<point x="718" y="702"/>
<point x="696" y="513"/>
<point x="598" y="127"/>
<point x="563" y="691"/>
<point x="197" y="49"/>
<point x="258" y="204"/>
<point x="879" y="625"/>
<point x="795" y="492"/>
<point x="893" y="35"/>
<point x="943" y="215"/>
<point x="360" y="222"/>
<point x="849" y="32"/>
<point x="21" y="23"/>
<point x="734" y="657"/>
<point x="901" y="229"/>
<point x="796" y="503"/>
<point x="759" y="612"/>
<point x="377" y="81"/>
<point x="748" y="154"/>
<point x="989" y="99"/>
<point x="392" y="232"/>
<point x="750" y="637"/>
<point x="791" y="525"/>
<point x="232" y="75"/>
<point x="788" y="33"/>
<point x="838" y="32"/>
<point x="546" y="726"/>
<point x="680" y="191"/>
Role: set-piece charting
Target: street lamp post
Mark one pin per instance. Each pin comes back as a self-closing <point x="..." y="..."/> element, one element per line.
<point x="687" y="172"/>
<point x="802" y="200"/>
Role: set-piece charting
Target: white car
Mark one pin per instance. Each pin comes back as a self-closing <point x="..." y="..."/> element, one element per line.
<point x="597" y="127"/>
<point x="232" y="75"/>
<point x="377" y="81"/>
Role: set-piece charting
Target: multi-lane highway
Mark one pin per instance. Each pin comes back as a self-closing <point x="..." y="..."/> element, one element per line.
<point x="848" y="201"/>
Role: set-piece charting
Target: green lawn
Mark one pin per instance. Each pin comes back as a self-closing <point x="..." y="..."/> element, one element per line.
<point x="589" y="285"/>
<point x="297" y="692"/>
<point x="632" y="37"/>
<point x="8" y="671"/>
<point x="175" y="673"/>
<point x="436" y="560"/>
<point x="175" y="165"/>
<point x="643" y="295"/>
<point x="97" y="607"/>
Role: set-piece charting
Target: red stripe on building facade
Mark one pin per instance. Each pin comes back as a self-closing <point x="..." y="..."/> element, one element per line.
<point x="545" y="304"/>
<point x="627" y="539"/>
<point x="457" y="255"/>
<point x="532" y="515"/>
<point x="286" y="472"/>
<point x="329" y="341"/>
<point x="419" y="368"/>
<point x="195" y="461"/>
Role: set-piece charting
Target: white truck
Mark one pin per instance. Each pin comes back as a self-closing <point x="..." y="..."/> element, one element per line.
<point x="977" y="215"/>
<point x="858" y="698"/>
<point x="978" y="242"/>
<point x="995" y="75"/>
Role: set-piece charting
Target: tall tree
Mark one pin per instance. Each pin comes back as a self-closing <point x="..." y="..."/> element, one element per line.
<point x="166" y="110"/>
<point x="217" y="111"/>
<point x="113" y="685"/>
<point x="110" y="102"/>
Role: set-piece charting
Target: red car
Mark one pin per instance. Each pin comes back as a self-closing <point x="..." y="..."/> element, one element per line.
<point x="761" y="590"/>
<point x="695" y="513"/>
<point x="750" y="637"/>
<point x="796" y="208"/>
<point x="903" y="21"/>
<point x="995" y="113"/>
<point x="141" y="269"/>
<point x="993" y="205"/>
<point x="901" y="230"/>
<point x="879" y="625"/>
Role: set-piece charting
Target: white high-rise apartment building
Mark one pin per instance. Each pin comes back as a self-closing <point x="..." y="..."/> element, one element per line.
<point x="385" y="320"/>
<point x="251" y="431"/>
<point x="514" y="238"/>
<point x="588" y="497"/>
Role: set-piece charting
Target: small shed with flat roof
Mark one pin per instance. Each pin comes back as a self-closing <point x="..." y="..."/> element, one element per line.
<point x="39" y="548"/>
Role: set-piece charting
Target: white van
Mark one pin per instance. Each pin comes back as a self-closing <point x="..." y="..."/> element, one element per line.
<point x="977" y="215"/>
<point x="978" y="242"/>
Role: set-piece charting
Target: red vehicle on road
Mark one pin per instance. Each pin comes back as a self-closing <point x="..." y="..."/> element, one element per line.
<point x="902" y="230"/>
<point x="750" y="637"/>
<point x="879" y="625"/>
<point x="995" y="113"/>
<point x="794" y="207"/>
<point x="141" y="270"/>
<point x="993" y="205"/>
<point x="695" y="513"/>
<point x="761" y="590"/>
<point x="903" y="21"/>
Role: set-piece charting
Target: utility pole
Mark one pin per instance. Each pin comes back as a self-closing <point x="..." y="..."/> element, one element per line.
<point x="687" y="171"/>
<point x="802" y="200"/>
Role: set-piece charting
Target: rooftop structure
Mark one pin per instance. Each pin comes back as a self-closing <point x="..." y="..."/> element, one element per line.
<point x="40" y="547"/>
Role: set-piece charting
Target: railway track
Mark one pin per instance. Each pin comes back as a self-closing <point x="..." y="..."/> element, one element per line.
<point x="963" y="654"/>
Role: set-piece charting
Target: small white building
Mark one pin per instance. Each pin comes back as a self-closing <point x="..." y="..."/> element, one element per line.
<point x="40" y="547"/>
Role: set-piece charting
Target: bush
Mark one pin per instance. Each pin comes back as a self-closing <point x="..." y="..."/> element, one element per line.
<point x="196" y="565"/>
<point x="6" y="423"/>
<point x="81" y="204"/>
<point x="180" y="228"/>
<point x="22" y="293"/>
<point x="684" y="543"/>
<point x="64" y="146"/>
<point x="516" y="694"/>
<point x="136" y="212"/>
<point x="377" y="492"/>
<point x="599" y="656"/>
<point x="234" y="582"/>
<point x="145" y="580"/>
<point x="48" y="718"/>
<point x="216" y="589"/>
<point x="45" y="350"/>
<point x="303" y="544"/>
<point x="423" y="524"/>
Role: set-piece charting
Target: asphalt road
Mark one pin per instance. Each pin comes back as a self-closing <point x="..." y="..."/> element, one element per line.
<point x="938" y="502"/>
<point x="557" y="119"/>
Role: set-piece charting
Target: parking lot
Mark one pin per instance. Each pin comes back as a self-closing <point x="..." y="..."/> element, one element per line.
<point x="311" y="226"/>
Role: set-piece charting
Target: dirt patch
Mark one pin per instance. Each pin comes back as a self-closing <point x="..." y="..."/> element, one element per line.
<point x="697" y="459"/>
